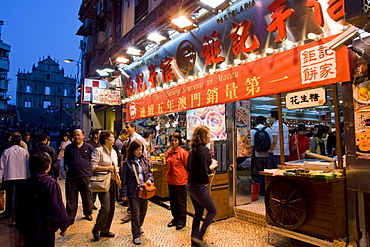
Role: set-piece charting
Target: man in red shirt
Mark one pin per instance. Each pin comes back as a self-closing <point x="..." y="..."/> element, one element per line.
<point x="299" y="143"/>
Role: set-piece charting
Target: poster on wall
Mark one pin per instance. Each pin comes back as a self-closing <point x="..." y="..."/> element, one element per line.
<point x="361" y="96"/>
<point x="212" y="117"/>
<point x="243" y="128"/>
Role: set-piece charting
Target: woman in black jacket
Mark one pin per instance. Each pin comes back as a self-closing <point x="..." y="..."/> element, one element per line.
<point x="200" y="165"/>
<point x="130" y="186"/>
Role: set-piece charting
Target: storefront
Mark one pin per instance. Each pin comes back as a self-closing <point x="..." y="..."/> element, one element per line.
<point x="237" y="65"/>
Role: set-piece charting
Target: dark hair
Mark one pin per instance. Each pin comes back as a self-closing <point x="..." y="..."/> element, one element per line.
<point x="16" y="140"/>
<point x="94" y="131"/>
<point x="132" y="147"/>
<point x="132" y="124"/>
<point x="176" y="135"/>
<point x="39" y="162"/>
<point x="9" y="134"/>
<point x="123" y="132"/>
<point x="42" y="137"/>
<point x="147" y="133"/>
<point x="199" y="137"/>
<point x="260" y="120"/>
<point x="104" y="135"/>
<point x="274" y="114"/>
<point x="26" y="133"/>
<point x="322" y="130"/>
<point x="301" y="127"/>
<point x="66" y="134"/>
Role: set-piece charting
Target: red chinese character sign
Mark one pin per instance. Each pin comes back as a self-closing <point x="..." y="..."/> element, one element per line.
<point x="211" y="49"/>
<point x="239" y="35"/>
<point x="280" y="15"/>
<point x="317" y="66"/>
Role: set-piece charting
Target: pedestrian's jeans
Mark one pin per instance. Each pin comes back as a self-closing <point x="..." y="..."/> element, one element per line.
<point x="201" y="200"/>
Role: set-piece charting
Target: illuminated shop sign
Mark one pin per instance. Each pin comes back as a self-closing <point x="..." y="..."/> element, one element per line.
<point x="89" y="85"/>
<point x="304" y="99"/>
<point x="106" y="96"/>
<point x="241" y="32"/>
<point x="269" y="75"/>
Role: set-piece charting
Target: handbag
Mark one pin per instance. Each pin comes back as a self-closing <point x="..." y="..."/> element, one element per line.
<point x="100" y="182"/>
<point x="145" y="191"/>
<point x="2" y="201"/>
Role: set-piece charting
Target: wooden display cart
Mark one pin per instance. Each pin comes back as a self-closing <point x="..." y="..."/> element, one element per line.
<point x="312" y="206"/>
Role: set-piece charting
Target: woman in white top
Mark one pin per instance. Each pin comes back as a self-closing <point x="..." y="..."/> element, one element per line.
<point x="62" y="147"/>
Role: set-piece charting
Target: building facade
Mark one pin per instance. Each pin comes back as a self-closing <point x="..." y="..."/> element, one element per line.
<point x="45" y="85"/>
<point x="4" y="69"/>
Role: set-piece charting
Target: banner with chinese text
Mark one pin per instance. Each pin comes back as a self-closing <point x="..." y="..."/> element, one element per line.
<point x="310" y="65"/>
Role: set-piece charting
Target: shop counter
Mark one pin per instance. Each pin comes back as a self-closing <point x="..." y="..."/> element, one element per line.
<point x="312" y="206"/>
<point x="160" y="180"/>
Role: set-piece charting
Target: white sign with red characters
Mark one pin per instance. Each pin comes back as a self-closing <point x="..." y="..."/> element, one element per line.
<point x="317" y="64"/>
<point x="132" y="110"/>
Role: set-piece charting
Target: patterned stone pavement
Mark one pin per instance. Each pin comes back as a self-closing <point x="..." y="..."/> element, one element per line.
<point x="231" y="232"/>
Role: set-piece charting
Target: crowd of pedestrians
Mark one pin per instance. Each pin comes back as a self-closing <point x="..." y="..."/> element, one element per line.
<point x="29" y="173"/>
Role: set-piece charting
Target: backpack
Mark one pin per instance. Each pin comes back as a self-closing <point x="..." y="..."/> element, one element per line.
<point x="262" y="140"/>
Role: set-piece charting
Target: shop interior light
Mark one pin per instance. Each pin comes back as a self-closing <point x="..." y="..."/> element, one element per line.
<point x="158" y="37"/>
<point x="314" y="36"/>
<point x="237" y="61"/>
<point x="182" y="22"/>
<point x="135" y="51"/>
<point x="223" y="66"/>
<point x="102" y="73"/>
<point x="213" y="3"/>
<point x="122" y="59"/>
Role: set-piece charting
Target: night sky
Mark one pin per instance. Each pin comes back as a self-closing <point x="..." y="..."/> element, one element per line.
<point x="37" y="29"/>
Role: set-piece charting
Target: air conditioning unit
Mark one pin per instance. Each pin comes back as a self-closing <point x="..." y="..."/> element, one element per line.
<point x="101" y="40"/>
<point x="102" y="8"/>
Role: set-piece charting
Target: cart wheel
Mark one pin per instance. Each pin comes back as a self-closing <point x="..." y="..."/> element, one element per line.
<point x="286" y="204"/>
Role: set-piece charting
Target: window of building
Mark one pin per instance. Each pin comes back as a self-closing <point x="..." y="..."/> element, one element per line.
<point x="28" y="89"/>
<point x="36" y="88"/>
<point x="65" y="92"/>
<point x="27" y="104"/>
<point x="46" y="104"/>
<point x="141" y="10"/>
<point x="47" y="90"/>
<point x="48" y="77"/>
<point x="59" y="89"/>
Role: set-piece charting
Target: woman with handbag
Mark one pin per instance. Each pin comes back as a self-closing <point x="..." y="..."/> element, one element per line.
<point x="104" y="161"/>
<point x="200" y="165"/>
<point x="136" y="173"/>
<point x="177" y="177"/>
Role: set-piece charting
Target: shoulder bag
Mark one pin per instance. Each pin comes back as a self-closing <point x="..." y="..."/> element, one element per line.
<point x="145" y="191"/>
<point x="100" y="182"/>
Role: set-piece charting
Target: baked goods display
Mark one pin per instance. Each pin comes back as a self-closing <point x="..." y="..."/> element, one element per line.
<point x="213" y="117"/>
<point x="242" y="116"/>
<point x="363" y="140"/>
<point x="361" y="93"/>
<point x="362" y="134"/>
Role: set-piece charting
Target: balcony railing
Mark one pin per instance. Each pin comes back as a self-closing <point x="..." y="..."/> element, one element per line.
<point x="3" y="85"/>
<point x="3" y="105"/>
<point x="4" y="65"/>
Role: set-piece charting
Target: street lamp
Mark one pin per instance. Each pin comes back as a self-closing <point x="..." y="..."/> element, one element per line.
<point x="78" y="63"/>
